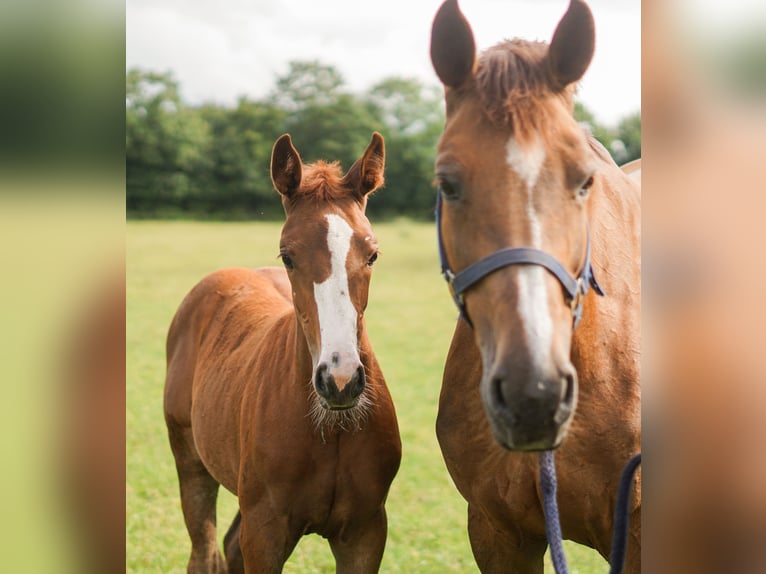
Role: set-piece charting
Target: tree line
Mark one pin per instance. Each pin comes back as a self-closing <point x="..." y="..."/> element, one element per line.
<point x="212" y="161"/>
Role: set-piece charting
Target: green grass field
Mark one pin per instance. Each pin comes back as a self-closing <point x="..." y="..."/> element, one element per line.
<point x="410" y="319"/>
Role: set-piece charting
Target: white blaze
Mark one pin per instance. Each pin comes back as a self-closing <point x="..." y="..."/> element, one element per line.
<point x="527" y="162"/>
<point x="337" y="315"/>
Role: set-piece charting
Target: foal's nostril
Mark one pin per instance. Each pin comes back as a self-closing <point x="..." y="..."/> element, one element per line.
<point x="320" y="379"/>
<point x="357" y="382"/>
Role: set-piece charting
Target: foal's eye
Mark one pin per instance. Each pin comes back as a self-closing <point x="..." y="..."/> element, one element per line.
<point x="288" y="263"/>
<point x="372" y="259"/>
<point x="583" y="191"/>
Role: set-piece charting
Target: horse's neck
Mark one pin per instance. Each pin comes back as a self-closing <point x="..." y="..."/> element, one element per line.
<point x="608" y="342"/>
<point x="615" y="222"/>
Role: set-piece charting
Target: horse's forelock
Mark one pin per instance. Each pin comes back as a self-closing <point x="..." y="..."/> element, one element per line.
<point x="514" y="85"/>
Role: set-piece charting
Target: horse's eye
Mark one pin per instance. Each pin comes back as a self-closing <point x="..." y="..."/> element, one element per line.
<point x="583" y="191"/>
<point x="448" y="190"/>
<point x="372" y="259"/>
<point x="286" y="260"/>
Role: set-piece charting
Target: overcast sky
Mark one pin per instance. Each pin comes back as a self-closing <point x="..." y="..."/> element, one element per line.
<point x="222" y="49"/>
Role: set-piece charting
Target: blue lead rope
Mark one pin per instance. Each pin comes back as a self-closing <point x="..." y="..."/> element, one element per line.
<point x="622" y="516"/>
<point x="551" y="511"/>
<point x="553" y="524"/>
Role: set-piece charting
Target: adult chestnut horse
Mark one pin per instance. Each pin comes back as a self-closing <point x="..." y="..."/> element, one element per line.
<point x="273" y="389"/>
<point x="515" y="170"/>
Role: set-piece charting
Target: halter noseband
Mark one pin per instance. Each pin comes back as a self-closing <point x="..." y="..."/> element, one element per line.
<point x="574" y="288"/>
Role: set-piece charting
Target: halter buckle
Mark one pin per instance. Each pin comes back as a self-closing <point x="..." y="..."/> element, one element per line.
<point x="458" y="297"/>
<point x="576" y="302"/>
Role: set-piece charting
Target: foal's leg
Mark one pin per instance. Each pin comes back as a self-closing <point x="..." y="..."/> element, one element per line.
<point x="360" y="549"/>
<point x="498" y="551"/>
<point x="199" y="493"/>
<point x="266" y="540"/>
<point x="235" y="563"/>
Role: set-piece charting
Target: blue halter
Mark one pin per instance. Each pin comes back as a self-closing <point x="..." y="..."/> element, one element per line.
<point x="574" y="288"/>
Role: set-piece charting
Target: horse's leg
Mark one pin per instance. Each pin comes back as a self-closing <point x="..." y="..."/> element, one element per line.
<point x="266" y="541"/>
<point x="199" y="493"/>
<point x="235" y="564"/>
<point x="361" y="549"/>
<point x="498" y="551"/>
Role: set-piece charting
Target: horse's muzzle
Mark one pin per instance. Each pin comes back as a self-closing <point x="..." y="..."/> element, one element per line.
<point x="530" y="414"/>
<point x="334" y="398"/>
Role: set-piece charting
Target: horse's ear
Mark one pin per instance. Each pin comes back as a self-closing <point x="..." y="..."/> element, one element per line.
<point x="286" y="166"/>
<point x="453" y="50"/>
<point x="372" y="165"/>
<point x="572" y="46"/>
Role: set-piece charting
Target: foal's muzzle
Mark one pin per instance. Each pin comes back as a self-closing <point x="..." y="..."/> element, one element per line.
<point x="331" y="396"/>
<point x="527" y="411"/>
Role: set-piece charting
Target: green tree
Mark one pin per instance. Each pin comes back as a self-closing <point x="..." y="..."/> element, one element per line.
<point x="325" y="121"/>
<point x="406" y="105"/>
<point x="165" y="142"/>
<point x="629" y="133"/>
<point x="239" y="151"/>
<point x="307" y="84"/>
<point x="413" y="115"/>
<point x="623" y="141"/>
<point x="213" y="161"/>
<point x="337" y="131"/>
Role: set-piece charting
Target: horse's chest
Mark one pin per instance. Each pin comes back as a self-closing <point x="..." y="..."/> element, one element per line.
<point x="322" y="485"/>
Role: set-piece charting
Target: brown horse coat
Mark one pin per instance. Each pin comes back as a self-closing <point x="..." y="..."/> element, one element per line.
<point x="515" y="169"/>
<point x="506" y="524"/>
<point x="241" y="392"/>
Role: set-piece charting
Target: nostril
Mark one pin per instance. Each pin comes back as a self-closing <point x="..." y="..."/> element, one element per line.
<point x="497" y="392"/>
<point x="320" y="379"/>
<point x="358" y="381"/>
<point x="569" y="386"/>
<point x="360" y="377"/>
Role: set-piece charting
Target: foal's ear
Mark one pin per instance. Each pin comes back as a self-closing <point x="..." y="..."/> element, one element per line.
<point x="286" y="170"/>
<point x="366" y="175"/>
<point x="453" y="50"/>
<point x="572" y="46"/>
<point x="373" y="164"/>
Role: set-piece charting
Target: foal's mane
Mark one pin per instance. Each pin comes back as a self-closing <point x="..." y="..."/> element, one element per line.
<point x="514" y="85"/>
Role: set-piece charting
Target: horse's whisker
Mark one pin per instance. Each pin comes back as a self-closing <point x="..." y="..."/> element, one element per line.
<point x="349" y="420"/>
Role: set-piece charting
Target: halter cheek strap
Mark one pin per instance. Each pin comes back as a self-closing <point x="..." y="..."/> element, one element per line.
<point x="574" y="288"/>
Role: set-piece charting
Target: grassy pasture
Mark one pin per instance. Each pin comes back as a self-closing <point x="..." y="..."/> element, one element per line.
<point x="410" y="319"/>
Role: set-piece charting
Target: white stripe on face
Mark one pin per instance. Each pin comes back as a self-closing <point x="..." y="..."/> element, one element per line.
<point x="533" y="294"/>
<point x="528" y="162"/>
<point x="337" y="315"/>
